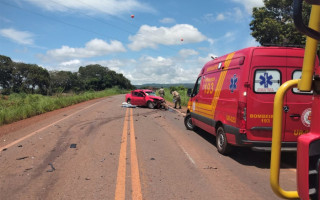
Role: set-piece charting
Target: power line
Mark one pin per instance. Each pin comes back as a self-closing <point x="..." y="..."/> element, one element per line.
<point x="56" y="20"/>
<point x="79" y="27"/>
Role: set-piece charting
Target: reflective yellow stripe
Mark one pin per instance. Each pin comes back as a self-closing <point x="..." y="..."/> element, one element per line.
<point x="209" y="109"/>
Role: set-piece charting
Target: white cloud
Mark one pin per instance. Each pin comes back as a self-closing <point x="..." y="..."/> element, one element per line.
<point x="167" y="20"/>
<point x="160" y="70"/>
<point x="148" y="69"/>
<point x="251" y="42"/>
<point x="20" y="37"/>
<point x="110" y="7"/>
<point x="249" y="4"/>
<point x="93" y="48"/>
<point x="151" y="36"/>
<point x="187" y="52"/>
<point x="234" y="14"/>
<point x="220" y="17"/>
<point x="71" y="62"/>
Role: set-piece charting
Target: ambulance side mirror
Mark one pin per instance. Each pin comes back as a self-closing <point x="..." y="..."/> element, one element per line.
<point x="189" y="92"/>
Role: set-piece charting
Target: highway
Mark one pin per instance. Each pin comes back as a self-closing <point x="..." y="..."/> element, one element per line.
<point x="101" y="150"/>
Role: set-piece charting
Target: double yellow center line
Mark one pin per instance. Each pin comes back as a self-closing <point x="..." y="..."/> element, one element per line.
<point x="121" y="176"/>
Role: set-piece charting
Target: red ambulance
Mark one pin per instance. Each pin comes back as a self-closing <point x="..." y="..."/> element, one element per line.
<point x="233" y="98"/>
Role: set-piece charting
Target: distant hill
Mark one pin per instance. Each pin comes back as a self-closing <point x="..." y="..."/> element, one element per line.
<point x="157" y="85"/>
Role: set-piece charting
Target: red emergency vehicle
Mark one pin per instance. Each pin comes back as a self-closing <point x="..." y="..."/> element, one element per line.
<point x="308" y="148"/>
<point x="233" y="98"/>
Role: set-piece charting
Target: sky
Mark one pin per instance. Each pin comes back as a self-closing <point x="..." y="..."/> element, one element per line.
<point x="164" y="42"/>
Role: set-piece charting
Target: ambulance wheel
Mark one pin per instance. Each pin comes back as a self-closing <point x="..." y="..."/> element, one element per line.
<point x="221" y="142"/>
<point x="188" y="122"/>
<point x="150" y="105"/>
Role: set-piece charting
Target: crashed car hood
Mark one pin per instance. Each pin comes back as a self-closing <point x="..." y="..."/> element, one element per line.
<point x="157" y="98"/>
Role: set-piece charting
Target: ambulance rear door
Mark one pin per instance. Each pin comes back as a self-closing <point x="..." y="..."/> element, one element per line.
<point x="297" y="109"/>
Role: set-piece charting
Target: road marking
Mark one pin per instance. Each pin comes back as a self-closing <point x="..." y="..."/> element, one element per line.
<point x="121" y="176"/>
<point x="188" y="155"/>
<point x="43" y="128"/>
<point x="135" y="177"/>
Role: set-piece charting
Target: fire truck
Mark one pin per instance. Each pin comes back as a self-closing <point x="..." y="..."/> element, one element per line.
<point x="308" y="145"/>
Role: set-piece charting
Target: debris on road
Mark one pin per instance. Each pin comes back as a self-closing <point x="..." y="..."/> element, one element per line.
<point x="22" y="158"/>
<point x="52" y="168"/>
<point x="5" y="149"/>
<point x="27" y="169"/>
<point x="73" y="146"/>
<point x="128" y="105"/>
<point x="20" y="145"/>
<point x="152" y="159"/>
<point x="210" y="167"/>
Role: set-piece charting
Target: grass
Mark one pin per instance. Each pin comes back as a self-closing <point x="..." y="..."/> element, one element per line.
<point x="21" y="106"/>
<point x="183" y="96"/>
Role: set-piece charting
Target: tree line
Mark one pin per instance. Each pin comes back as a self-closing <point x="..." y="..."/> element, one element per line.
<point x="18" y="77"/>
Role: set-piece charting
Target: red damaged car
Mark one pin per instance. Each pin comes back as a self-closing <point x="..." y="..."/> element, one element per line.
<point x="144" y="97"/>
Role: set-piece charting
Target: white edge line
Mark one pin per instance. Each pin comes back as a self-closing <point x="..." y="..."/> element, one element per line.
<point x="43" y="128"/>
<point x="188" y="156"/>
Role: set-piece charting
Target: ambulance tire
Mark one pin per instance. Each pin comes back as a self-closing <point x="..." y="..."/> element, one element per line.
<point x="150" y="105"/>
<point x="188" y="123"/>
<point x="221" y="142"/>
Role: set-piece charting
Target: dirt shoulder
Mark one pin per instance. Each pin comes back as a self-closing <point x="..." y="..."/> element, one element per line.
<point x="183" y="109"/>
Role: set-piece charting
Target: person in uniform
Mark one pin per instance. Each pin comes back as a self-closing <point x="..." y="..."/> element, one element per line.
<point x="161" y="92"/>
<point x="176" y="99"/>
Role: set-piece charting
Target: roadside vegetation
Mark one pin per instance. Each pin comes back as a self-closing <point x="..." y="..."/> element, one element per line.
<point x="27" y="89"/>
<point x="15" y="107"/>
<point x="182" y="92"/>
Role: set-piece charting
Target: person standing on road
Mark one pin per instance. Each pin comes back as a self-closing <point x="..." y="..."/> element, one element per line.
<point x="161" y="92"/>
<point x="176" y="99"/>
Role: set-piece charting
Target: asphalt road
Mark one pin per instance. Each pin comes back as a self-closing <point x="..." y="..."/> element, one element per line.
<point x="100" y="150"/>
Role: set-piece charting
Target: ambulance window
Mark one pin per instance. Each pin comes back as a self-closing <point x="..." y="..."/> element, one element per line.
<point x="297" y="75"/>
<point x="197" y="87"/>
<point x="267" y="80"/>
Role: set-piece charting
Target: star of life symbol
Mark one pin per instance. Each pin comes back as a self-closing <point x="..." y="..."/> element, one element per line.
<point x="233" y="83"/>
<point x="265" y="80"/>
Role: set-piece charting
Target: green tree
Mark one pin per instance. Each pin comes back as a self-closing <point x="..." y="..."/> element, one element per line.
<point x="64" y="81"/>
<point x="38" y="79"/>
<point x="19" y="77"/>
<point x="273" y="23"/>
<point x="97" y="77"/>
<point x="6" y="68"/>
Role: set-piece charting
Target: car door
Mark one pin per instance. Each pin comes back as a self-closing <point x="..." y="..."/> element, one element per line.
<point x="134" y="98"/>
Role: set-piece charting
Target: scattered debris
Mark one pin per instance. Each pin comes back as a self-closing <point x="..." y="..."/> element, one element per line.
<point x="87" y="179"/>
<point x="73" y="146"/>
<point x="152" y="159"/>
<point x="22" y="158"/>
<point x="157" y="116"/>
<point x="27" y="169"/>
<point x="103" y="160"/>
<point x="111" y="154"/>
<point x="128" y="105"/>
<point x="5" y="149"/>
<point x="20" y="145"/>
<point x="52" y="168"/>
<point x="210" y="167"/>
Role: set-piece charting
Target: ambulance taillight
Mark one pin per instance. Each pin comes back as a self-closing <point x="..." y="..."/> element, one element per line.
<point x="242" y="115"/>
